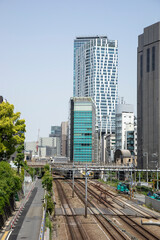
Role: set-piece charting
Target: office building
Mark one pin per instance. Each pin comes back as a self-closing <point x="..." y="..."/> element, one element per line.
<point x="51" y="146"/>
<point x="55" y="131"/>
<point x="31" y="147"/>
<point x="124" y="125"/>
<point x="82" y="131"/>
<point x="148" y="97"/>
<point x="96" y="75"/>
<point x="110" y="147"/>
<point x="64" y="138"/>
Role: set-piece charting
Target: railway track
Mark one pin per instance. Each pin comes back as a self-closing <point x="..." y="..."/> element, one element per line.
<point x="120" y="202"/>
<point x="74" y="227"/>
<point x="113" y="231"/>
<point x="143" y="232"/>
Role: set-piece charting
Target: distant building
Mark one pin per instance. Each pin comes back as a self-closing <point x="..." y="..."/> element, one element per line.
<point x="110" y="147"/>
<point x="125" y="127"/>
<point x="1" y="99"/>
<point x="55" y="131"/>
<point x="82" y="132"/>
<point x="47" y="151"/>
<point x="148" y="97"/>
<point x="64" y="132"/>
<point x="31" y="147"/>
<point x="51" y="146"/>
<point x="129" y="141"/>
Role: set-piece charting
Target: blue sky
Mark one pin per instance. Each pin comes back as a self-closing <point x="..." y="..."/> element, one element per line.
<point x="36" y="51"/>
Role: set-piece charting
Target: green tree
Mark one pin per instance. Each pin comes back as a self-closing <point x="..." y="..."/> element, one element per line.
<point x="47" y="181"/>
<point x="10" y="183"/>
<point x="12" y="130"/>
<point x="19" y="160"/>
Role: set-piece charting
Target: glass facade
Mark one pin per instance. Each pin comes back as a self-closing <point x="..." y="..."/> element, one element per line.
<point x="83" y="136"/>
<point x="82" y="130"/>
<point x="96" y="76"/>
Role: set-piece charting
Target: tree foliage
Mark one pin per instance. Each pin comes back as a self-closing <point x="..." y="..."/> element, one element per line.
<point x="47" y="184"/>
<point x="10" y="183"/>
<point x="47" y="181"/>
<point x="12" y="130"/>
<point x="19" y="160"/>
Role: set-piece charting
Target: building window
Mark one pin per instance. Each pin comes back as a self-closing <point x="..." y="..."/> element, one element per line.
<point x="153" y="58"/>
<point x="148" y="59"/>
<point x="141" y="66"/>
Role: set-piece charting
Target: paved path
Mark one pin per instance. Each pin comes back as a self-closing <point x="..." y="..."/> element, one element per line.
<point x="29" y="223"/>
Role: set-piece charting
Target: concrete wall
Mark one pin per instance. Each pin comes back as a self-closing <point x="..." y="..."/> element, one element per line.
<point x="150" y="202"/>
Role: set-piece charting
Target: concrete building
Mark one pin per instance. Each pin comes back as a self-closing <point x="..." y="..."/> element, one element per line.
<point x="64" y="138"/>
<point x="49" y="145"/>
<point x="82" y="132"/>
<point x="96" y="75"/>
<point x="47" y="141"/>
<point x="31" y="147"/>
<point x="148" y="97"/>
<point x="124" y="124"/>
<point x="110" y="147"/>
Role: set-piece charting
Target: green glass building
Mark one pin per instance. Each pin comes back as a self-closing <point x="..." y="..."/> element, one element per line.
<point x="83" y="143"/>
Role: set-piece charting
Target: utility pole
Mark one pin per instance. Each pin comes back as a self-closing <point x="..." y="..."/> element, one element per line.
<point x="86" y="192"/>
<point x="131" y="183"/>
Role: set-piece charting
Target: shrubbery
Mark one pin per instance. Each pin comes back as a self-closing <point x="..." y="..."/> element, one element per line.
<point x="10" y="184"/>
<point x="47" y="184"/>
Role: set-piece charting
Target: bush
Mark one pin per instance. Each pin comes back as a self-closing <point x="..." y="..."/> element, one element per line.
<point x="10" y="184"/>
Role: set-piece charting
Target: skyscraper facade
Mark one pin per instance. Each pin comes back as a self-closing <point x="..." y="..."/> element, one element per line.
<point x="148" y="97"/>
<point x="82" y="131"/>
<point x="96" y="76"/>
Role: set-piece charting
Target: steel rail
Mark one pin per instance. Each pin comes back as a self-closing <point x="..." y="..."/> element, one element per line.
<point x="121" y="235"/>
<point x="141" y="230"/>
<point x="120" y="200"/>
<point x="64" y="199"/>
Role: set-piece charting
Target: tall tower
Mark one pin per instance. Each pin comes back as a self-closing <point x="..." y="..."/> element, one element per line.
<point x="96" y="76"/>
<point x="148" y="97"/>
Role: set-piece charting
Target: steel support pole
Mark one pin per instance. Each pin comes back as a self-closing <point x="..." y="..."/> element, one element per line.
<point x="86" y="192"/>
<point x="147" y="167"/>
<point x="139" y="177"/>
<point x="157" y="181"/>
<point x="131" y="184"/>
<point x="73" y="181"/>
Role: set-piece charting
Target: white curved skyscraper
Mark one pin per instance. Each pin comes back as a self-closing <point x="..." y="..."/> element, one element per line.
<point x="96" y="75"/>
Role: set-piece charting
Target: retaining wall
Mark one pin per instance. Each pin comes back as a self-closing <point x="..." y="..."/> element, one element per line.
<point x="150" y="202"/>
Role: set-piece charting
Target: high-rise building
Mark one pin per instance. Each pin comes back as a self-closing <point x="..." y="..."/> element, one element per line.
<point x="148" y="97"/>
<point x="82" y="132"/>
<point x="96" y="75"/>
